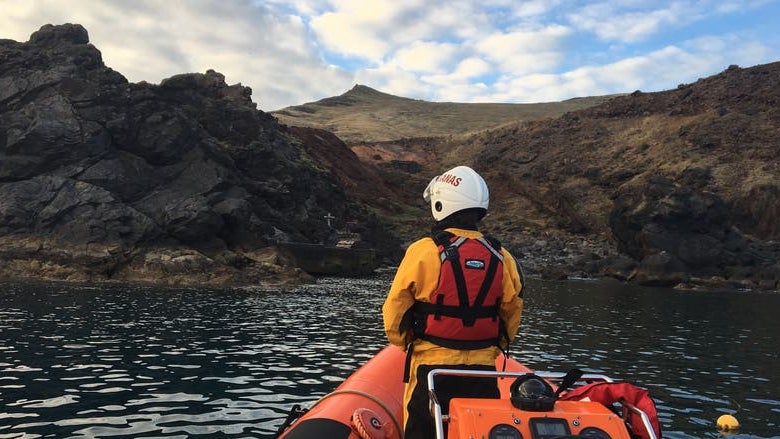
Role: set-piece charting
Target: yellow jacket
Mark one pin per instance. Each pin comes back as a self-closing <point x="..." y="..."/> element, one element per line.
<point x="416" y="280"/>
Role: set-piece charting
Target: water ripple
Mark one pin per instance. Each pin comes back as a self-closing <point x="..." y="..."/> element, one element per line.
<point x="142" y="361"/>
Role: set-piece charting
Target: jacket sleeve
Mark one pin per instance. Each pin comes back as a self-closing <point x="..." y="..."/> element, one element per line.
<point x="415" y="279"/>
<point x="512" y="300"/>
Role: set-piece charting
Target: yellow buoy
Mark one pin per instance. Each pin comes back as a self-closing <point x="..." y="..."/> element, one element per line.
<point x="727" y="423"/>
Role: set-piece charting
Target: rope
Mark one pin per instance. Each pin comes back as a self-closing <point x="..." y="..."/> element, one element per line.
<point x="362" y="432"/>
<point x="367" y="395"/>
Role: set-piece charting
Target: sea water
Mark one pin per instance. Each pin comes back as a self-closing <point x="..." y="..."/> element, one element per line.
<point x="140" y="361"/>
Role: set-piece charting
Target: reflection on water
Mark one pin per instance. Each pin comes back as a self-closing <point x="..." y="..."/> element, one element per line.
<point x="132" y="361"/>
<point x="700" y="354"/>
<point x="140" y="361"/>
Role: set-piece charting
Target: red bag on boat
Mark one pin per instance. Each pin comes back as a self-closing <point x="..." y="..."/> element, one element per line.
<point x="610" y="393"/>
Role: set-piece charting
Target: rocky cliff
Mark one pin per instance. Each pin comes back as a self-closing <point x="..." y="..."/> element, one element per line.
<point x="181" y="182"/>
<point x="674" y="188"/>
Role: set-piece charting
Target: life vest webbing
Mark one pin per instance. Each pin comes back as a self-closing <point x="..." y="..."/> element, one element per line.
<point x="453" y="256"/>
<point x="462" y="344"/>
<point x="450" y="253"/>
<point x="437" y="309"/>
<point x="485" y="287"/>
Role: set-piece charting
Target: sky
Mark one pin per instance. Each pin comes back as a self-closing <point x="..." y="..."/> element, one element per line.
<point x="292" y="52"/>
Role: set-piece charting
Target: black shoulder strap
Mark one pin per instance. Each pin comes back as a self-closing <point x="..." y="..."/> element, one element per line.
<point x="488" y="281"/>
<point x="493" y="265"/>
<point x="449" y="252"/>
<point x="442" y="238"/>
<point x="494" y="242"/>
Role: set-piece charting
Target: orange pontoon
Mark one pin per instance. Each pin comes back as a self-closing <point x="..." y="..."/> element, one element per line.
<point x="369" y="405"/>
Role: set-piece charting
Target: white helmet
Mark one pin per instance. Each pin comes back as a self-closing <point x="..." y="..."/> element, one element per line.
<point x="457" y="189"/>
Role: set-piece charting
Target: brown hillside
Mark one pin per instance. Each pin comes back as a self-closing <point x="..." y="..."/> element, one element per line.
<point x="684" y="183"/>
<point x="366" y="115"/>
<point x="719" y="134"/>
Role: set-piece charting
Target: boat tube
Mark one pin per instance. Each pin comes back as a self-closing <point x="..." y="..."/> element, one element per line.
<point x="369" y="405"/>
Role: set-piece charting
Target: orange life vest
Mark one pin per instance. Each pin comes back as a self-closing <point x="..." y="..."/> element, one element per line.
<point x="463" y="313"/>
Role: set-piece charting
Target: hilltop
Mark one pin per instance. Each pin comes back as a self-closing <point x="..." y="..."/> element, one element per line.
<point x="363" y="114"/>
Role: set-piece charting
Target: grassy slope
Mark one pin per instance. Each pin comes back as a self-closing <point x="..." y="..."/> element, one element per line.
<point x="366" y="115"/>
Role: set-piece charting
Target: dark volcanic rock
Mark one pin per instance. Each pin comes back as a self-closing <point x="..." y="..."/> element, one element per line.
<point x="185" y="181"/>
<point x="680" y="234"/>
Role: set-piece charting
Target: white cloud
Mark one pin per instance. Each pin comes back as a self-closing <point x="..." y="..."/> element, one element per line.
<point x="374" y="30"/>
<point x="298" y="7"/>
<point x="361" y="28"/>
<point x="426" y="56"/>
<point x="472" y="68"/>
<point x="736" y="6"/>
<point x="533" y="8"/>
<point x="732" y="49"/>
<point x="659" y="70"/>
<point x="652" y="72"/>
<point x="465" y="92"/>
<point x="522" y="52"/>
<point x="465" y="71"/>
<point x="632" y="21"/>
<point x="340" y="34"/>
<point x="296" y="51"/>
<point x="150" y="41"/>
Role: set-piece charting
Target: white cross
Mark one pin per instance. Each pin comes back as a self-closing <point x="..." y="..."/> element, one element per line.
<point x="329" y="217"/>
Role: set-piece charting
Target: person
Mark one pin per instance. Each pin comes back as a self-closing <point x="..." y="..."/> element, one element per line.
<point x="455" y="301"/>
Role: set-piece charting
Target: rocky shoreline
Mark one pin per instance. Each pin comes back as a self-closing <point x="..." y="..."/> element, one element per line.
<point x="566" y="258"/>
<point x="548" y="257"/>
<point x="26" y="259"/>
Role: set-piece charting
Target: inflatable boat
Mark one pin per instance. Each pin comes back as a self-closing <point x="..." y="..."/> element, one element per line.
<point x="369" y="405"/>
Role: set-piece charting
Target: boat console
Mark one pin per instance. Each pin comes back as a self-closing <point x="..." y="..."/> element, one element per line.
<point x="507" y="418"/>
